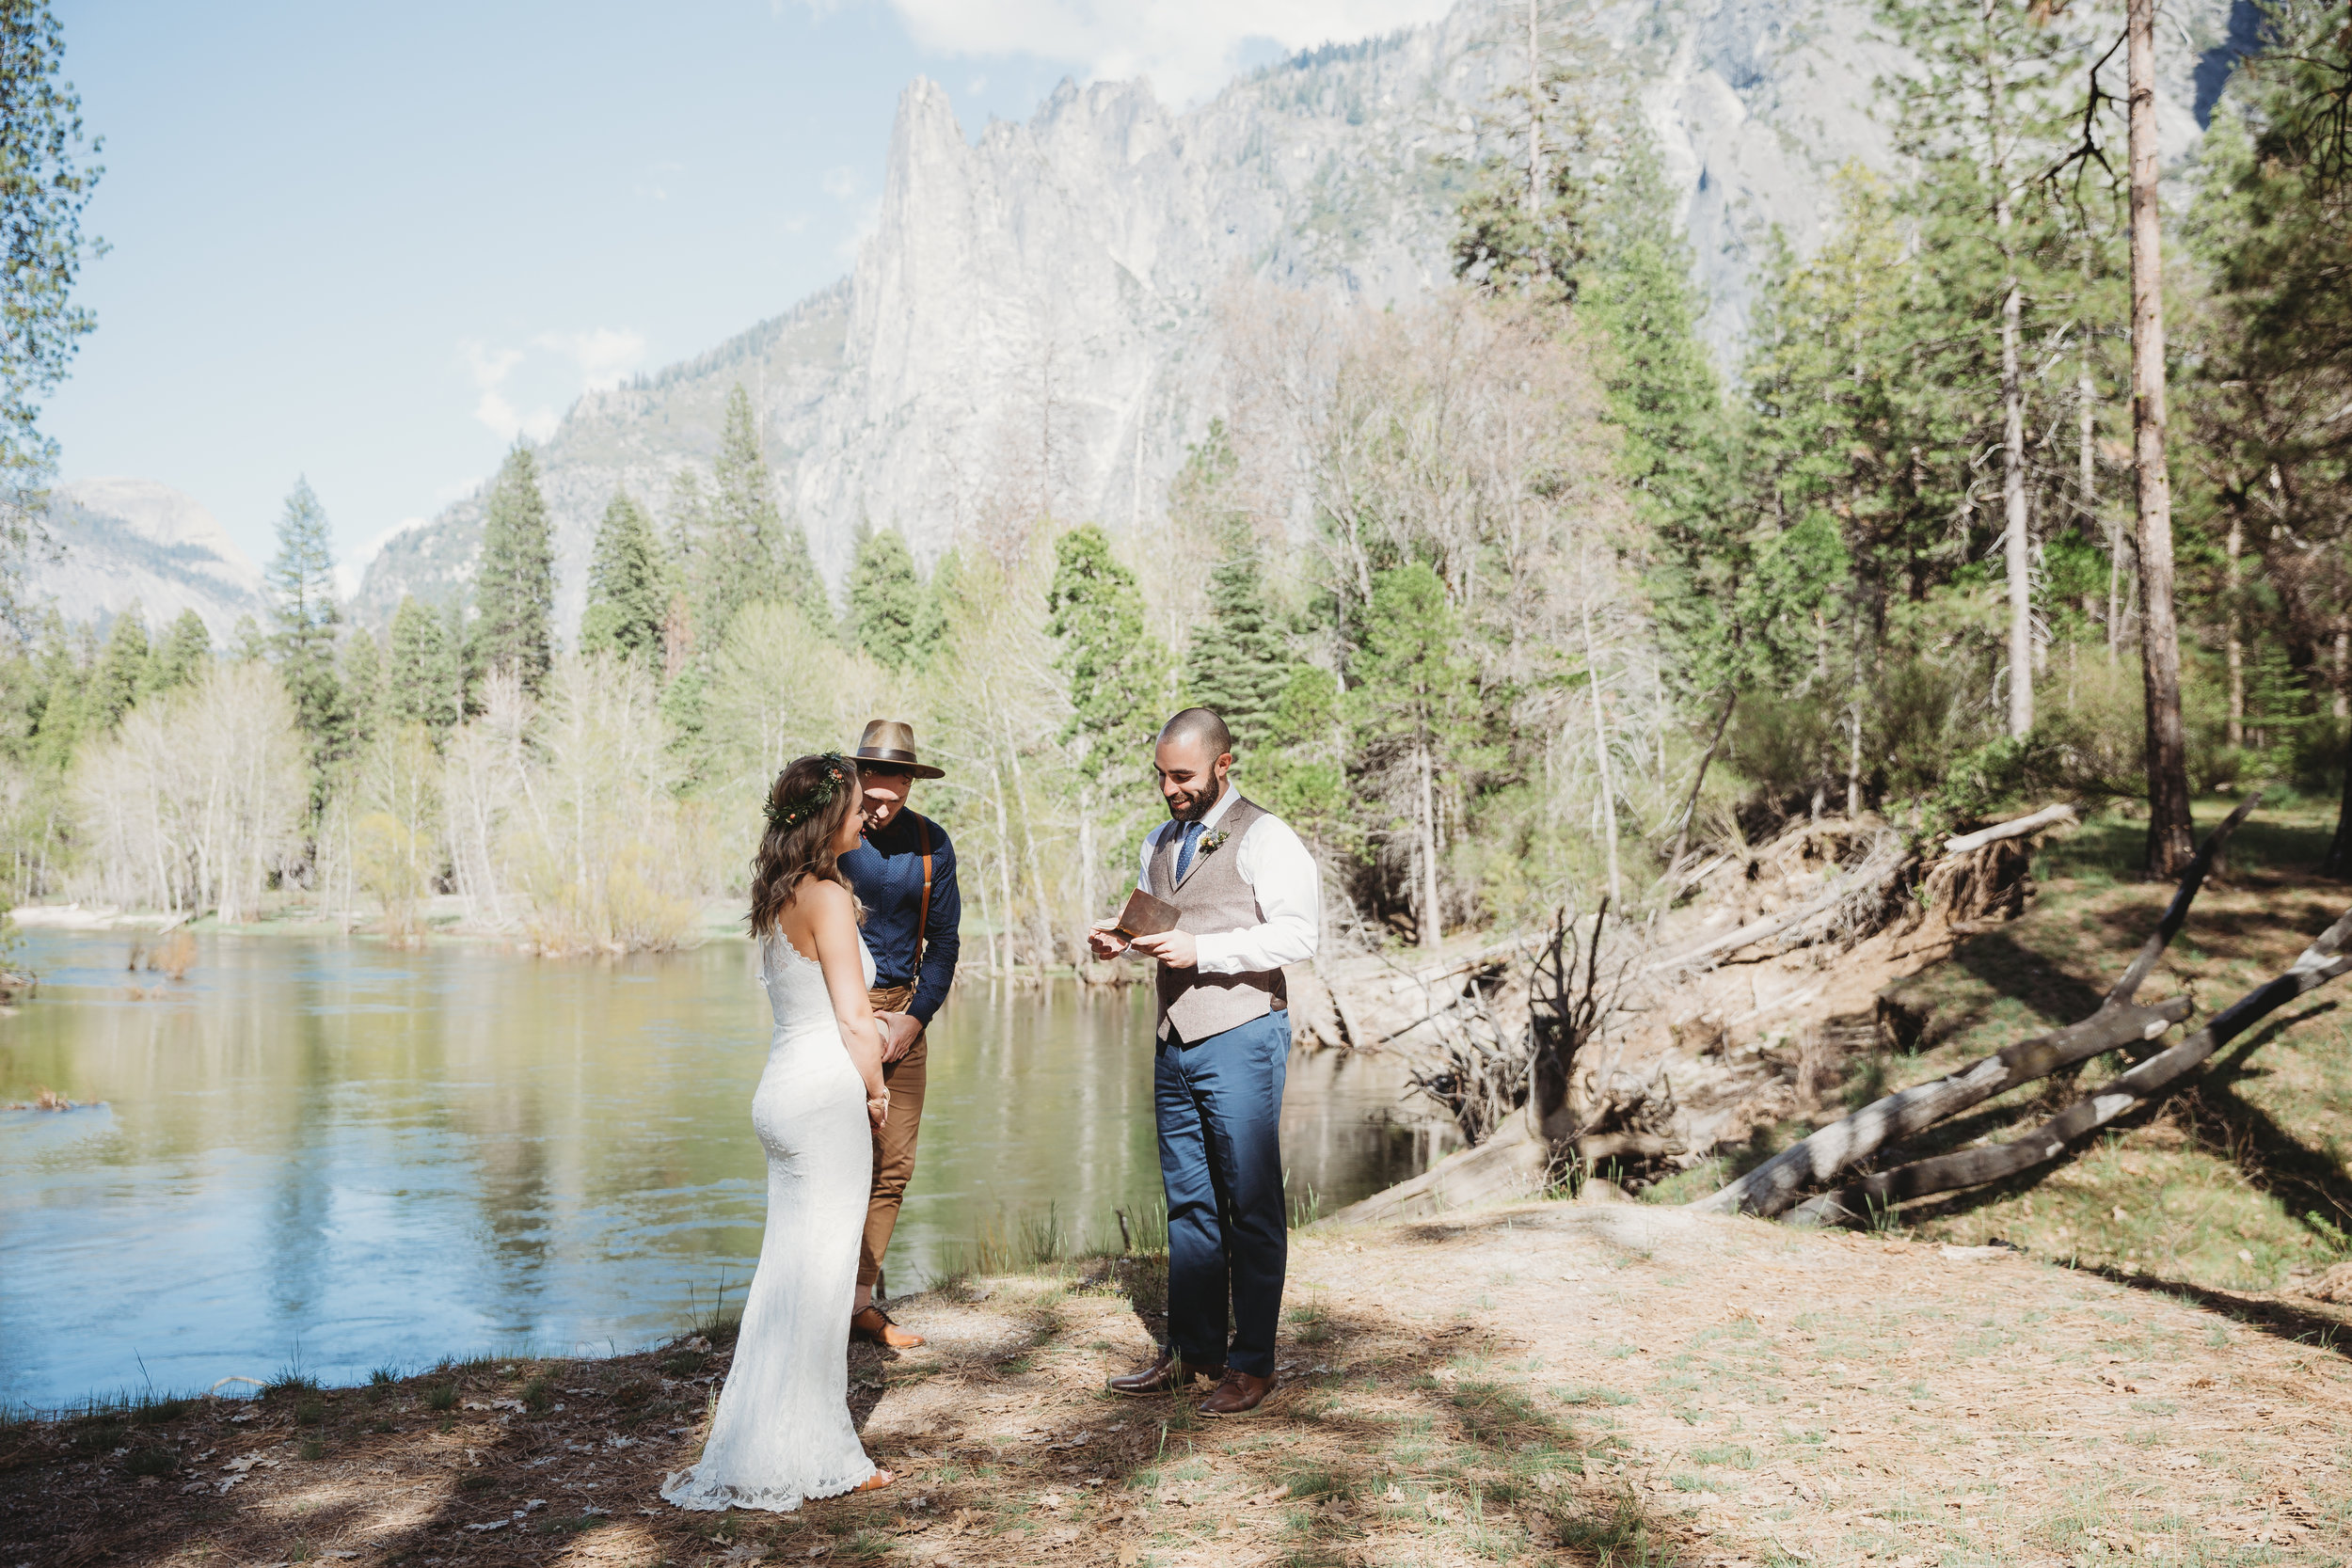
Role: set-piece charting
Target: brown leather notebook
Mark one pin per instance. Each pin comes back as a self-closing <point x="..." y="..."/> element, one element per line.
<point x="1146" y="917"/>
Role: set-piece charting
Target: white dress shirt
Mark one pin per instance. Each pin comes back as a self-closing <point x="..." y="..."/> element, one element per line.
<point x="1279" y="870"/>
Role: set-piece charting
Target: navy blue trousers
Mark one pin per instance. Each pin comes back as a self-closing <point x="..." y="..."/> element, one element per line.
<point x="1220" y="1109"/>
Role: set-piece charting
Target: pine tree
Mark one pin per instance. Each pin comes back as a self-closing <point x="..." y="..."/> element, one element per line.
<point x="122" y="672"/>
<point x="628" y="587"/>
<point x="187" y="648"/>
<point x="1119" y="682"/>
<point x="1414" y="706"/>
<point x="1522" y="227"/>
<point x="422" y="684"/>
<point x="746" y="551"/>
<point x="302" y="584"/>
<point x="515" y="588"/>
<point x="1239" y="662"/>
<point x="886" y="599"/>
<point x="364" y="686"/>
<point x="246" y="640"/>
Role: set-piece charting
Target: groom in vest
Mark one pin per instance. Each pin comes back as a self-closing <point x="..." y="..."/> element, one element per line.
<point x="1248" y="902"/>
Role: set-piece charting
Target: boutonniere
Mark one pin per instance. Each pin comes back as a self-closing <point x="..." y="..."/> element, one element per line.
<point x="1211" y="840"/>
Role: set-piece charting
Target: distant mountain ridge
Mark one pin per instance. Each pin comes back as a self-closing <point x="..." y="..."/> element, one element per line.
<point x="133" y="542"/>
<point x="1060" y="275"/>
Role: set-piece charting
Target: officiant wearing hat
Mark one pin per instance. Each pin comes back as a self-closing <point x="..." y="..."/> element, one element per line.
<point x="904" y="872"/>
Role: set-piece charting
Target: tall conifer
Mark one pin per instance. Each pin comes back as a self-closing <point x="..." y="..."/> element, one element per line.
<point x="886" y="599"/>
<point x="364" y="686"/>
<point x="302" y="587"/>
<point x="422" y="684"/>
<point x="122" y="672"/>
<point x="629" y="587"/>
<point x="182" y="654"/>
<point x="514" y="587"/>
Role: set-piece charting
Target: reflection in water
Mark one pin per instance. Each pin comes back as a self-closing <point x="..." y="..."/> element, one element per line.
<point x="337" y="1152"/>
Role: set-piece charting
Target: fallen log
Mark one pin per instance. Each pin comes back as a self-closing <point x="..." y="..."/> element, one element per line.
<point x="2319" y="963"/>
<point x="1880" y="868"/>
<point x="1776" y="1184"/>
<point x="2048" y="817"/>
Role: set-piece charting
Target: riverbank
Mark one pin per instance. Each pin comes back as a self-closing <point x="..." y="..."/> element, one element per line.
<point x="1533" y="1382"/>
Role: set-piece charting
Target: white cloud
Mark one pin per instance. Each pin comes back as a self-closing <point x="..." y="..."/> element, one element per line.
<point x="489" y="369"/>
<point x="349" y="573"/>
<point x="841" y="183"/>
<point x="1189" y="48"/>
<point x="603" y="353"/>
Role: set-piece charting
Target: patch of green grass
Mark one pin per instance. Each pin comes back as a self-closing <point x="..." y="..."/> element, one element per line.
<point x="309" y="1411"/>
<point x="312" y="1448"/>
<point x="683" y="1362"/>
<point x="99" y="1437"/>
<point x="1736" y="1455"/>
<point x="152" y="1462"/>
<point x="1591" y="1393"/>
<point x="441" y="1396"/>
<point x="539" y="1394"/>
<point x="155" y="1412"/>
<point x="291" y="1379"/>
<point x="476" y="1481"/>
<point x="1619" y="1536"/>
<point x="572" y="1527"/>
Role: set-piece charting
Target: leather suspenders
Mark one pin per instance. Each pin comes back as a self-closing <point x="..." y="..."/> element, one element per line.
<point x="923" y="921"/>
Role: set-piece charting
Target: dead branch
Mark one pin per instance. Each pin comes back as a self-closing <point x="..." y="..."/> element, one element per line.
<point x="2048" y="817"/>
<point x="1773" y="1185"/>
<point x="2319" y="963"/>
<point x="1846" y="903"/>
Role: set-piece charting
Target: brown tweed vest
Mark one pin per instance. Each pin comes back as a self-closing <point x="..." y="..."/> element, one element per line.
<point x="1213" y="898"/>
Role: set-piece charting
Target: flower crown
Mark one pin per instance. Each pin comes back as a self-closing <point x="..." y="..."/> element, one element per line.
<point x="817" y="798"/>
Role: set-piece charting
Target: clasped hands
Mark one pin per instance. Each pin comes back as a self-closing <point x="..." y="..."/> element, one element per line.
<point x="900" y="1032"/>
<point x="1175" y="949"/>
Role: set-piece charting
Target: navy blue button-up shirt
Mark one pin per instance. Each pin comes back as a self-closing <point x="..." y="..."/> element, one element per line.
<point x="886" y="869"/>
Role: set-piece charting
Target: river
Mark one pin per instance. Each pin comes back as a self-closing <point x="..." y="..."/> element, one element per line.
<point x="336" y="1154"/>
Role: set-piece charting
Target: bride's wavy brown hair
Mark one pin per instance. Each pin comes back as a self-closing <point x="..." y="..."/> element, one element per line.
<point x="798" y="842"/>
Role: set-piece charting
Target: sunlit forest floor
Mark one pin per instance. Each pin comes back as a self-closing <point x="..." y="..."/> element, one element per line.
<point x="2242" y="1182"/>
<point x="1537" y="1382"/>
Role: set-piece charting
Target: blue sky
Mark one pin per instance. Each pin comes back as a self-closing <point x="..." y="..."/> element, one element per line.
<point x="369" y="244"/>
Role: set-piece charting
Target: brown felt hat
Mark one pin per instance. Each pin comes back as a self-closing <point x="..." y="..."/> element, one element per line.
<point x="892" y="744"/>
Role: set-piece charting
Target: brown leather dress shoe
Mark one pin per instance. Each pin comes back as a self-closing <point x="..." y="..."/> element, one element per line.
<point x="1164" y="1376"/>
<point x="874" y="1326"/>
<point x="1237" y="1394"/>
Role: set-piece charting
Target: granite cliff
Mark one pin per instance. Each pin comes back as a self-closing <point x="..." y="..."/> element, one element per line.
<point x="1038" y="307"/>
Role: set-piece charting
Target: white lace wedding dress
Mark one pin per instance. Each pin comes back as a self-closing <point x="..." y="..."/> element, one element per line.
<point x="783" y="1430"/>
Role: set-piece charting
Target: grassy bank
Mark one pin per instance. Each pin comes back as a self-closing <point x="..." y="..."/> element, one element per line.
<point x="2243" y="1182"/>
<point x="1533" y="1382"/>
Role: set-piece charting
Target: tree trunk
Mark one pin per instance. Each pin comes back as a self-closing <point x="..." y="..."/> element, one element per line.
<point x="1431" y="922"/>
<point x="2232" y="547"/>
<point x="1853" y="717"/>
<point x="1534" y="117"/>
<point x="2338" y="861"/>
<point x="2343" y="655"/>
<point x="1682" y="833"/>
<point x="2017" y="541"/>
<point x="1600" y="745"/>
<point x="2171" y="835"/>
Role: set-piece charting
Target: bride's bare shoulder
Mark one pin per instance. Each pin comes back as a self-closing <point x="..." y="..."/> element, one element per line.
<point x="824" y="899"/>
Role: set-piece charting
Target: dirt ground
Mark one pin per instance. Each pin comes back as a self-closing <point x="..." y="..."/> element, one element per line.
<point x="1532" y="1383"/>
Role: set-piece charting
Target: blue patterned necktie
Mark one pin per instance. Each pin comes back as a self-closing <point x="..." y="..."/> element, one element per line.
<point x="1184" y="856"/>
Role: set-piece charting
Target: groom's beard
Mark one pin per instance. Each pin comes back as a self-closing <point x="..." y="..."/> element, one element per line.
<point x="1192" y="808"/>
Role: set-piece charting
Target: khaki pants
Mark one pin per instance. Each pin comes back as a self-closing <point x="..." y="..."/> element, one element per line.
<point x="894" y="1145"/>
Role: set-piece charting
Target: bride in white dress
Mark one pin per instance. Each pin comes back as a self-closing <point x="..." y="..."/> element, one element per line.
<point x="783" y="1430"/>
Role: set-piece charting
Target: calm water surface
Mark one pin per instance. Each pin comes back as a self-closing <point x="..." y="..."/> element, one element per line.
<point x="337" y="1152"/>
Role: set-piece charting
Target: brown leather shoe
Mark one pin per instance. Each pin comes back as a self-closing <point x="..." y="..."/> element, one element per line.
<point x="874" y="1326"/>
<point x="1237" y="1394"/>
<point x="1164" y="1376"/>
